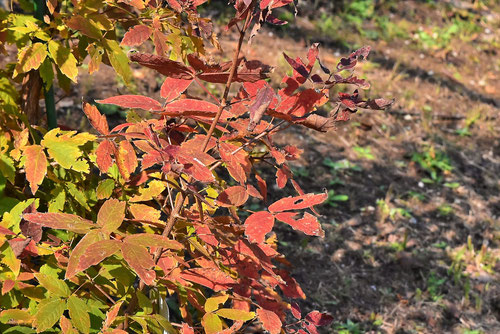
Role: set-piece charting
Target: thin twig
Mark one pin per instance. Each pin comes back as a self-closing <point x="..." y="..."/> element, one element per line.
<point x="232" y="72"/>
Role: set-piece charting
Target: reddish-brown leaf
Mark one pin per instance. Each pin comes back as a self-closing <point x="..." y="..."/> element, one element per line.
<point x="303" y="103"/>
<point x="61" y="221"/>
<point x="233" y="196"/>
<point x="97" y="252"/>
<point x="153" y="240"/>
<point x="311" y="328"/>
<point x="136" y="35"/>
<point x="191" y="107"/>
<point x="97" y="120"/>
<point x="35" y="166"/>
<point x="252" y="191"/>
<point x="261" y="102"/>
<point x="298" y="202"/>
<point x="126" y="159"/>
<point x="270" y="321"/>
<point x="165" y="66"/>
<point x="7" y="285"/>
<point x="257" y="225"/>
<point x="111" y="215"/>
<point x="104" y="154"/>
<point x="319" y="319"/>
<point x="212" y="278"/>
<point x="6" y="231"/>
<point x="290" y="288"/>
<point x="133" y="101"/>
<point x="140" y="260"/>
<point x="296" y="312"/>
<point x="308" y="224"/>
<point x="282" y="175"/>
<point x="172" y="88"/>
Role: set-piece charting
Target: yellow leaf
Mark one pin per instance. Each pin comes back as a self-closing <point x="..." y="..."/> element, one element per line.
<point x="62" y="146"/>
<point x="49" y="312"/>
<point x="235" y="314"/>
<point x="212" y="303"/>
<point x="30" y="58"/>
<point x="64" y="59"/>
<point x="211" y="323"/>
<point x="154" y="188"/>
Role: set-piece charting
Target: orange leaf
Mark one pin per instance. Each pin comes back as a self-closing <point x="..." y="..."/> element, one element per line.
<point x="126" y="159"/>
<point x="136" y="35"/>
<point x="60" y="221"/>
<point x="35" y="166"/>
<point x="97" y="120"/>
<point x="233" y="196"/>
<point x="111" y="314"/>
<point x="270" y="321"/>
<point x="258" y="225"/>
<point x="74" y="258"/>
<point x="97" y="252"/>
<point x="140" y="260"/>
<point x="133" y="102"/>
<point x="153" y="240"/>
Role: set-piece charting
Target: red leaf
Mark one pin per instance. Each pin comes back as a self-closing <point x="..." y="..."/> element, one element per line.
<point x="270" y="321"/>
<point x="303" y="103"/>
<point x="212" y="278"/>
<point x="237" y="164"/>
<point x="319" y="319"/>
<point x="258" y="225"/>
<point x="60" y="221"/>
<point x="297" y="66"/>
<point x="191" y="107"/>
<point x="296" y="312"/>
<point x="97" y="252"/>
<point x="7" y="285"/>
<point x="252" y="191"/>
<point x="133" y="101"/>
<point x="233" y="196"/>
<point x="140" y="260"/>
<point x="172" y="88"/>
<point x="282" y="176"/>
<point x="35" y="166"/>
<point x="262" y="186"/>
<point x="126" y="159"/>
<point x="136" y="35"/>
<point x="165" y="66"/>
<point x="308" y="224"/>
<point x="291" y="288"/>
<point x="111" y="215"/>
<point x="298" y="202"/>
<point x="97" y="120"/>
<point x="104" y="155"/>
<point x="311" y="328"/>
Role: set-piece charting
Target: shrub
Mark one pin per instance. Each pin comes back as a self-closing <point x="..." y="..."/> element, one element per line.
<point x="140" y="227"/>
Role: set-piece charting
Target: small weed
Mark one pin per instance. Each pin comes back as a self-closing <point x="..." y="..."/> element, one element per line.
<point x="385" y="211"/>
<point x="348" y="327"/>
<point x="434" y="163"/>
<point x="333" y="198"/>
<point x="444" y="210"/>
<point x="364" y="152"/>
<point x="434" y="284"/>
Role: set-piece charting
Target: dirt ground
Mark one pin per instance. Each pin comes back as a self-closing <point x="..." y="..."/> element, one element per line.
<point x="412" y="223"/>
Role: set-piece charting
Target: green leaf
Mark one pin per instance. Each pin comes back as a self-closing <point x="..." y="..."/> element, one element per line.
<point x="78" y="311"/>
<point x="62" y="146"/>
<point x="144" y="303"/>
<point x="19" y="330"/>
<point x="55" y="286"/>
<point x="48" y="314"/>
<point x="105" y="188"/>
<point x="15" y="314"/>
<point x="64" y="59"/>
<point x="12" y="218"/>
<point x="57" y="199"/>
<point x="47" y="73"/>
<point x="9" y="259"/>
<point x="78" y="195"/>
<point x="7" y="167"/>
<point x="118" y="59"/>
<point x="111" y="215"/>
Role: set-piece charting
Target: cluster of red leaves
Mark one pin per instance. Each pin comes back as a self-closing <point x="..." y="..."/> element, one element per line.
<point x="199" y="248"/>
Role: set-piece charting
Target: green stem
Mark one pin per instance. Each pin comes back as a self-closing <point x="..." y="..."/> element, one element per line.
<point x="48" y="92"/>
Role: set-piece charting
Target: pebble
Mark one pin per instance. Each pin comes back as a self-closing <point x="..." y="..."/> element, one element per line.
<point x="420" y="184"/>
